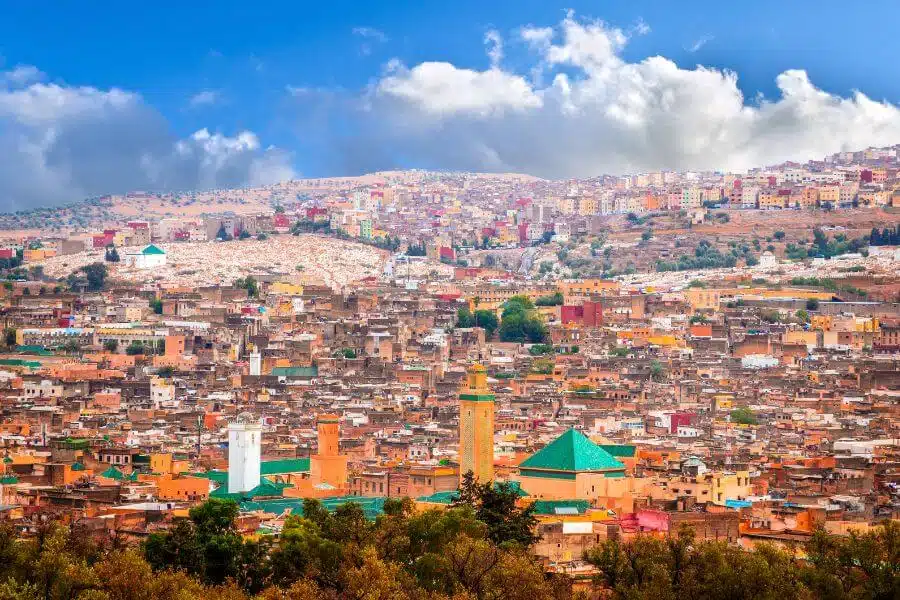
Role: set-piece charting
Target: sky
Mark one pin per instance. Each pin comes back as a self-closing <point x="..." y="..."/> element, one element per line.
<point x="96" y="98"/>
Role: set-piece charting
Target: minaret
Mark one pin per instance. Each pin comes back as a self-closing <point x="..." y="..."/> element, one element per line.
<point x="328" y="465"/>
<point x="255" y="362"/>
<point x="244" y="454"/>
<point x="476" y="426"/>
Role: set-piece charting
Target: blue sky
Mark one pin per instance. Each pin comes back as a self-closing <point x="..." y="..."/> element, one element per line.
<point x="229" y="66"/>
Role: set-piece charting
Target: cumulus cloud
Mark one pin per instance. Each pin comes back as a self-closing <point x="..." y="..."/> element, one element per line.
<point x="63" y="143"/>
<point x="584" y="109"/>
<point x="204" y="98"/>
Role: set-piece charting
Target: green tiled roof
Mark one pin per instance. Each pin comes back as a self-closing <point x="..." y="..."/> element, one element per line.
<point x="152" y="249"/>
<point x="18" y="362"/>
<point x="284" y="465"/>
<point x="9" y="480"/>
<point x="78" y="467"/>
<point x="572" y="452"/>
<point x="295" y="371"/>
<point x="32" y="349"/>
<point x="113" y="473"/>
<point x="555" y="507"/>
<point x="266" y="489"/>
<point x="620" y="450"/>
<point x="440" y="497"/>
<point x="266" y="467"/>
<point x="448" y="497"/>
<point x="372" y="506"/>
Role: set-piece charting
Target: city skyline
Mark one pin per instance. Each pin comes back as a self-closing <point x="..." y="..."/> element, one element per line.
<point x="539" y="90"/>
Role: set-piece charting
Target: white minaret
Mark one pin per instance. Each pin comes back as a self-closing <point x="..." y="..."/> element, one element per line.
<point x="255" y="362"/>
<point x="244" y="454"/>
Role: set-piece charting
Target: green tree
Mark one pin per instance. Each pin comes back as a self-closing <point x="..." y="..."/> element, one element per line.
<point x="495" y="505"/>
<point x="656" y="370"/>
<point x="743" y="416"/>
<point x="112" y="255"/>
<point x="248" y="283"/>
<point x="95" y="274"/>
<point x="555" y="299"/>
<point x="135" y="349"/>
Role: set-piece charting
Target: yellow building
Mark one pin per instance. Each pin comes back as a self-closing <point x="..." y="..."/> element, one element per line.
<point x="702" y="299"/>
<point x="770" y="199"/>
<point x="476" y="426"/>
<point x="286" y="288"/>
<point x="589" y="287"/>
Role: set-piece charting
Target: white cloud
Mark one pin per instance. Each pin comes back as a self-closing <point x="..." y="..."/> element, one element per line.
<point x="371" y="33"/>
<point x="370" y="36"/>
<point x="440" y="89"/>
<point x="21" y="75"/>
<point x="494" y="44"/>
<point x="584" y="109"/>
<point x="641" y="27"/>
<point x="699" y="43"/>
<point x="204" y="98"/>
<point x="62" y="143"/>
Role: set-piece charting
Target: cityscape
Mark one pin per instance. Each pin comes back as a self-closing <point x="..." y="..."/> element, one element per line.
<point x="460" y="384"/>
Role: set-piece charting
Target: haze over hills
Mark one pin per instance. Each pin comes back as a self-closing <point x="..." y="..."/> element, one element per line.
<point x="113" y="209"/>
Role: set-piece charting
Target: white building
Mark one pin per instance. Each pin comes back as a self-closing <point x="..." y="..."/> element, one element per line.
<point x="148" y="258"/>
<point x="244" y="454"/>
<point x="255" y="363"/>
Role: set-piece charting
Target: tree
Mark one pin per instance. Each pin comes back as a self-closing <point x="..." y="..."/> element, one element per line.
<point x="519" y="323"/>
<point x="465" y="318"/>
<point x="540" y="349"/>
<point x="112" y="255"/>
<point x="111" y="345"/>
<point x="555" y="299"/>
<point x="96" y="276"/>
<point x="135" y="349"/>
<point x="487" y="320"/>
<point x="812" y="304"/>
<point x="495" y="505"/>
<point x="223" y="234"/>
<point x="656" y="370"/>
<point x="248" y="283"/>
<point x="779" y="235"/>
<point x="157" y="306"/>
<point x="743" y="416"/>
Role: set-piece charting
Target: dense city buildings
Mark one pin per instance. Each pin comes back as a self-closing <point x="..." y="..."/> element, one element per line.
<point x="623" y="357"/>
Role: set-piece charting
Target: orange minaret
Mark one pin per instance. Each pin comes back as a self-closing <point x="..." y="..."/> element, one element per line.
<point x="476" y="426"/>
<point x="328" y="466"/>
<point x="328" y="435"/>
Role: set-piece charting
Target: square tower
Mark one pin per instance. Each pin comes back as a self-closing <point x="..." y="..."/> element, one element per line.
<point x="476" y="426"/>
<point x="244" y="455"/>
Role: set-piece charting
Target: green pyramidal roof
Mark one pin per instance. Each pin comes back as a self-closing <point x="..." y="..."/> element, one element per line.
<point x="113" y="473"/>
<point x="572" y="451"/>
<point x="152" y="249"/>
